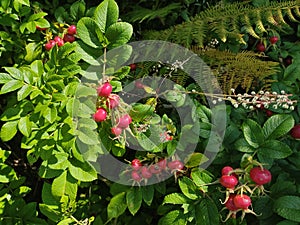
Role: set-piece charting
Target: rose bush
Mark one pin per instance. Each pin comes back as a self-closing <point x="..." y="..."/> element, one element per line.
<point x="69" y="106"/>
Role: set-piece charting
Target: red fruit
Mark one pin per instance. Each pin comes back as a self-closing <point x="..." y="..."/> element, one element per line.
<point x="230" y="204"/>
<point x="72" y="30"/>
<point x="155" y="169"/>
<point x="273" y="40"/>
<point x="104" y="90"/>
<point x="100" y="115"/>
<point x="136" y="176"/>
<point x="228" y="181"/>
<point x="49" y="45"/>
<point x="260" y="47"/>
<point x="132" y="66"/>
<point x="113" y="101"/>
<point x="124" y="121"/>
<point x="226" y="170"/>
<point x="136" y="164"/>
<point x="260" y="176"/>
<point x="269" y="113"/>
<point x="169" y="138"/>
<point x="60" y="42"/>
<point x="146" y="172"/>
<point x="138" y="84"/>
<point x="116" y="131"/>
<point x="295" y="131"/>
<point x="175" y="165"/>
<point x="69" y="38"/>
<point x="242" y="201"/>
<point x="162" y="163"/>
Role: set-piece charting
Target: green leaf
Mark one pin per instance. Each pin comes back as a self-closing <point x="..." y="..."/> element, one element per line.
<point x="253" y="133"/>
<point x="140" y="111"/>
<point x="275" y="149"/>
<point x="88" y="136"/>
<point x="51" y="211"/>
<point x="287" y="222"/>
<point x="206" y="213"/>
<point x="243" y="146"/>
<point x="176" y="198"/>
<point x="117" y="206"/>
<point x="90" y="33"/>
<point x="50" y="114"/>
<point x="201" y="177"/>
<point x="77" y="10"/>
<point x="195" y="159"/>
<point x="288" y="207"/>
<point x="24" y="92"/>
<point x="25" y="126"/>
<point x="4" y="78"/>
<point x="106" y="14"/>
<point x="59" y="185"/>
<point x="118" y="34"/>
<point x="8" y="130"/>
<point x="7" y="174"/>
<point x="134" y="199"/>
<point x="67" y="221"/>
<point x="148" y="194"/>
<point x="175" y="217"/>
<point x="278" y="125"/>
<point x="15" y="73"/>
<point x="82" y="171"/>
<point x="11" y="86"/>
<point x="189" y="188"/>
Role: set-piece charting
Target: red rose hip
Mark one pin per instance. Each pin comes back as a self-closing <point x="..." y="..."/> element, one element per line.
<point x="104" y="90"/>
<point x="117" y="131"/>
<point x="124" y="121"/>
<point x="49" y="45"/>
<point x="295" y="131"/>
<point x="260" y="176"/>
<point x="273" y="40"/>
<point x="228" y="181"/>
<point x="72" y="30"/>
<point x="69" y="38"/>
<point x="242" y="201"/>
<point x="136" y="164"/>
<point x="175" y="165"/>
<point x="260" y="47"/>
<point x="100" y="115"/>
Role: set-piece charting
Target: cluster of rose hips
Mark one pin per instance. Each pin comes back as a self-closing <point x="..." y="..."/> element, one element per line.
<point x="142" y="172"/>
<point x="69" y="36"/>
<point x="237" y="182"/>
<point x="261" y="47"/>
<point x="109" y="101"/>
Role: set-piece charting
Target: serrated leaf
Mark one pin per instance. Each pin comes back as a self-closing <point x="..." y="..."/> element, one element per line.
<point x="188" y="188"/>
<point x="253" y="133"/>
<point x="106" y="14"/>
<point x="50" y="114"/>
<point x="176" y="198"/>
<point x="88" y="136"/>
<point x="243" y="146"/>
<point x="134" y="199"/>
<point x="82" y="171"/>
<point x="207" y="213"/>
<point x="288" y="207"/>
<point x="25" y="126"/>
<point x="90" y="33"/>
<point x="77" y="10"/>
<point x="117" y="205"/>
<point x="278" y="125"/>
<point x="11" y="86"/>
<point x="175" y="217"/>
<point x="8" y="130"/>
<point x="275" y="149"/>
<point x="118" y="34"/>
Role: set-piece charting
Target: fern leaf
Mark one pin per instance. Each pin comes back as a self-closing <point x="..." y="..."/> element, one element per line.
<point x="248" y="26"/>
<point x="279" y="17"/>
<point x="290" y="15"/>
<point x="269" y="17"/>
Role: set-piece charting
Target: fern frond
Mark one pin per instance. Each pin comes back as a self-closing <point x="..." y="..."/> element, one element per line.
<point x="223" y="21"/>
<point x="245" y="69"/>
<point x="290" y="15"/>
